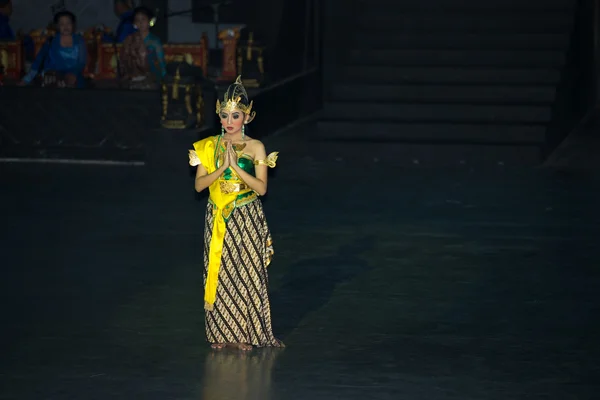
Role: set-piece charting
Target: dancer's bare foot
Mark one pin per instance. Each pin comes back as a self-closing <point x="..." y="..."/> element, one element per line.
<point x="217" y="346"/>
<point x="241" y="346"/>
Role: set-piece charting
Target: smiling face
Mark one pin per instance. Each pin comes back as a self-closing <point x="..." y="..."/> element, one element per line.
<point x="65" y="25"/>
<point x="232" y="120"/>
<point x="142" y="22"/>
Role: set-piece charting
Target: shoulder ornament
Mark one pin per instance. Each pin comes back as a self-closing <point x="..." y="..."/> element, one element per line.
<point x="271" y="160"/>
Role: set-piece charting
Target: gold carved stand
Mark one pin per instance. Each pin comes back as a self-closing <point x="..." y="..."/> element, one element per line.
<point x="250" y="62"/>
<point x="182" y="99"/>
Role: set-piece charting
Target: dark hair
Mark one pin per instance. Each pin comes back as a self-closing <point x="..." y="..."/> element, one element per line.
<point x="4" y="3"/>
<point x="236" y="90"/>
<point x="143" y="10"/>
<point x="65" y="13"/>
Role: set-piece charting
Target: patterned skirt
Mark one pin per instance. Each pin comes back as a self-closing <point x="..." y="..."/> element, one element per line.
<point x="242" y="313"/>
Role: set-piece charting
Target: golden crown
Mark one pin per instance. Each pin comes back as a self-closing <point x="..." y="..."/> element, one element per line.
<point x="234" y="99"/>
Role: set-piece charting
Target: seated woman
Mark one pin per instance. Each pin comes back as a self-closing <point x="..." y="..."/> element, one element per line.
<point x="142" y="63"/>
<point x="63" y="58"/>
<point x="6" y="9"/>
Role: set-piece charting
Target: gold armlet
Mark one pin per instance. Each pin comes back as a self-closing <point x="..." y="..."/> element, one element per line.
<point x="270" y="162"/>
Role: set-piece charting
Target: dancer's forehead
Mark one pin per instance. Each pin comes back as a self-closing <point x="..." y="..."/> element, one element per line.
<point x="231" y="111"/>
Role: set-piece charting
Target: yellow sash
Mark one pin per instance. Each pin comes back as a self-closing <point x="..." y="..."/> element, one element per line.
<point x="224" y="204"/>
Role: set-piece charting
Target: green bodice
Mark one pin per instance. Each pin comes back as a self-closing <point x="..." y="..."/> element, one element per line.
<point x="245" y="162"/>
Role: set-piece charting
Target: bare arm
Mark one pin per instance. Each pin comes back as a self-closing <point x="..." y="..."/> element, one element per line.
<point x="258" y="183"/>
<point x="204" y="179"/>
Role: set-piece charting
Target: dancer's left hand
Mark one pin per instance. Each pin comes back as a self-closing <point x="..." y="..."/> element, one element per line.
<point x="233" y="157"/>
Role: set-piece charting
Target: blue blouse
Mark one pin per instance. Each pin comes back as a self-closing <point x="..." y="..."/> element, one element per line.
<point x="156" y="56"/>
<point x="126" y="26"/>
<point x="56" y="58"/>
<point x="124" y="29"/>
<point x="6" y="32"/>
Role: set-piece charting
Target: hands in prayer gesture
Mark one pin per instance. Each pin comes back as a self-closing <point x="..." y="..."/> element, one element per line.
<point x="233" y="156"/>
<point x="230" y="157"/>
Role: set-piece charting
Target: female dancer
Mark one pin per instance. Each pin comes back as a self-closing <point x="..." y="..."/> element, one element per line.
<point x="237" y="241"/>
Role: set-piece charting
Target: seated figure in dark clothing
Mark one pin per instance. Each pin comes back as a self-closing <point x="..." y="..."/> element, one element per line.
<point x="124" y="11"/>
<point x="142" y="57"/>
<point x="6" y="32"/>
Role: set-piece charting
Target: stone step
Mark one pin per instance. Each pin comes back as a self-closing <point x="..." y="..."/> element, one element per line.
<point x="463" y="58"/>
<point x="430" y="132"/>
<point x="444" y="93"/>
<point x="417" y="21"/>
<point x="462" y="40"/>
<point x="448" y="75"/>
<point x="388" y="6"/>
<point x="442" y="112"/>
<point x="424" y="155"/>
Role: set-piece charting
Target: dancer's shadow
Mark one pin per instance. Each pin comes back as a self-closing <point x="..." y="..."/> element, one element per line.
<point x="310" y="283"/>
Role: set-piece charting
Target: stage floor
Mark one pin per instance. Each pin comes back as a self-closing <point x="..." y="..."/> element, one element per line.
<point x="402" y="284"/>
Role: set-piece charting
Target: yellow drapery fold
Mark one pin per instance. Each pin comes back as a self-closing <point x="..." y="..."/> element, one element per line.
<point x="223" y="207"/>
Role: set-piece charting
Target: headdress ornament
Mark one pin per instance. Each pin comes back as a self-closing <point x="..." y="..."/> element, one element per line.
<point x="236" y="98"/>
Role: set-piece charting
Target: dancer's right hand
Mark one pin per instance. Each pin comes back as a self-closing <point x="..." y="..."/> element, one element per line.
<point x="226" y="158"/>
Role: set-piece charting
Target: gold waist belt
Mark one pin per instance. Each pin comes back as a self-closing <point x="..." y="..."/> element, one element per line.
<point x="228" y="187"/>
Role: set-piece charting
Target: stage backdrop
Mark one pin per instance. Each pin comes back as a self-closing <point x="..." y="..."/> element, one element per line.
<point x="34" y="14"/>
<point x="285" y="27"/>
<point x="282" y="25"/>
<point x="182" y="27"/>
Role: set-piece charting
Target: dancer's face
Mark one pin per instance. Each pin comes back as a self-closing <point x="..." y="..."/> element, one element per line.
<point x="232" y="120"/>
